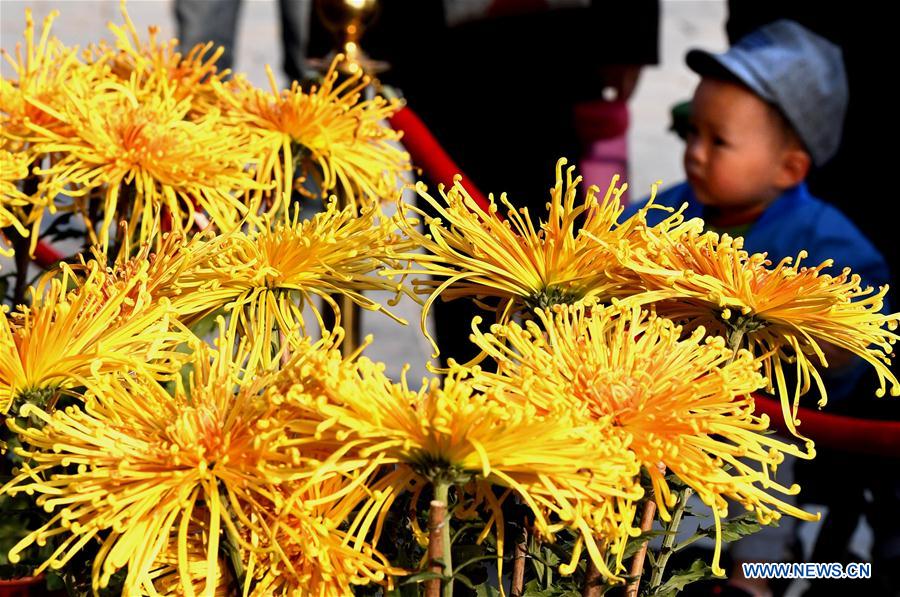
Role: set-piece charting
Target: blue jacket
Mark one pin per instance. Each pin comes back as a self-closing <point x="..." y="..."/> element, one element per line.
<point x="798" y="221"/>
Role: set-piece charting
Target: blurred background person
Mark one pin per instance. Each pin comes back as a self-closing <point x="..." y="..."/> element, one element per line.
<point x="856" y="181"/>
<point x="200" y="21"/>
<point x="509" y="87"/>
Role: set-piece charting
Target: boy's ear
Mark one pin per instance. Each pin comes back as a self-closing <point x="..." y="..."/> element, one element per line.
<point x="795" y="166"/>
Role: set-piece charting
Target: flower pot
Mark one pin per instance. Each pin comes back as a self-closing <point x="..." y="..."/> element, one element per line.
<point x="24" y="586"/>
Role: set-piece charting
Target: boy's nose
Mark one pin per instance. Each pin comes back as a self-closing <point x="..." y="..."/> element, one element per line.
<point x="693" y="152"/>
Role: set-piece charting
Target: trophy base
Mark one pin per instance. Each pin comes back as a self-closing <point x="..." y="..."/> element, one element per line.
<point x="350" y="65"/>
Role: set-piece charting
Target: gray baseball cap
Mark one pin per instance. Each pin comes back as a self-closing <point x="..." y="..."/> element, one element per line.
<point x="801" y="73"/>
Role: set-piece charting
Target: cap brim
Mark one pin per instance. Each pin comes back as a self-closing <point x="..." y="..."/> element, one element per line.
<point x="725" y="67"/>
<point x="706" y="64"/>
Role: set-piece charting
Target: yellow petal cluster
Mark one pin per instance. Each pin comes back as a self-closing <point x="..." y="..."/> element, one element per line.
<point x="160" y="141"/>
<point x="450" y="433"/>
<point x="788" y="313"/>
<point x="68" y="336"/>
<point x="511" y="266"/>
<point x="13" y="170"/>
<point x="266" y="275"/>
<point x="147" y="472"/>
<point x="328" y="133"/>
<point x="159" y="63"/>
<point x="317" y="554"/>
<point x="138" y="150"/>
<point x="42" y="74"/>
<point x="679" y="401"/>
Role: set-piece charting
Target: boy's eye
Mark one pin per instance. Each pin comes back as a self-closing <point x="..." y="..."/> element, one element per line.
<point x="719" y="141"/>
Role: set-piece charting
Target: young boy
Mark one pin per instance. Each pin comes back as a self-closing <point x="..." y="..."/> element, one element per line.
<point x="763" y="113"/>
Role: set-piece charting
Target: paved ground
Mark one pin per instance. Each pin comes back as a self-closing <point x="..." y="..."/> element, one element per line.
<point x="655" y="154"/>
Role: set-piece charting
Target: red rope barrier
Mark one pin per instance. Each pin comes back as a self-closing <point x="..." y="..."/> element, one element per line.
<point x="45" y="255"/>
<point x="428" y="154"/>
<point x="847" y="434"/>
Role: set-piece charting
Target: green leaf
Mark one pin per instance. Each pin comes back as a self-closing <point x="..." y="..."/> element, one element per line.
<point x="421" y="577"/>
<point x="462" y="578"/>
<point x="534" y="589"/>
<point x="634" y="544"/>
<point x="55" y="582"/>
<point x="470" y="561"/>
<point x="486" y="590"/>
<point x="740" y="526"/>
<point x="561" y="551"/>
<point x="699" y="570"/>
<point x="732" y="529"/>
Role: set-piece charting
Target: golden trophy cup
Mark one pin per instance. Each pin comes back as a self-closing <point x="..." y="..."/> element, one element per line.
<point x="347" y="20"/>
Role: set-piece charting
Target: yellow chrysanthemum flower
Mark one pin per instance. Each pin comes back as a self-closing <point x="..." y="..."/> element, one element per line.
<point x="42" y="74"/>
<point x="678" y="401"/>
<point x="166" y="578"/>
<point x="565" y="472"/>
<point x="268" y="274"/>
<point x="137" y="465"/>
<point x="139" y="148"/>
<point x="333" y="135"/>
<point x="316" y="554"/>
<point x="69" y="336"/>
<point x="32" y="98"/>
<point x="571" y="256"/>
<point x="190" y="75"/>
<point x="13" y="169"/>
<point x="784" y="313"/>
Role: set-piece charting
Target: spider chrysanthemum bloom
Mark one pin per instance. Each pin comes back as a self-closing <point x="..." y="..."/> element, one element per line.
<point x="786" y="313"/>
<point x="316" y="554"/>
<point x="267" y="274"/>
<point x="448" y="434"/>
<point x="167" y="579"/>
<point x="189" y="74"/>
<point x="138" y="147"/>
<point x="137" y="465"/>
<point x="68" y="336"/>
<point x="42" y="74"/>
<point x="328" y="132"/>
<point x="13" y="169"/>
<point x="571" y="256"/>
<point x="680" y="401"/>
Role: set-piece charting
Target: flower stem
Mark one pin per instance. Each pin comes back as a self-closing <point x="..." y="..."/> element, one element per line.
<point x="591" y="587"/>
<point x="637" y="563"/>
<point x="669" y="541"/>
<point x="441" y="493"/>
<point x="735" y="339"/>
<point x="231" y="544"/>
<point x="439" y="541"/>
<point x="517" y="584"/>
<point x="436" y="512"/>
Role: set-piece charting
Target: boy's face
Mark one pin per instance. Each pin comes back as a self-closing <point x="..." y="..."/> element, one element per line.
<point x="735" y="148"/>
